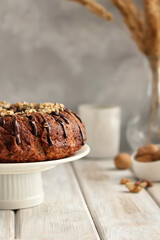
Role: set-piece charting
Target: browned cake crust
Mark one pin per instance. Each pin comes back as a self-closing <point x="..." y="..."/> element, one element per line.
<point x="32" y="132"/>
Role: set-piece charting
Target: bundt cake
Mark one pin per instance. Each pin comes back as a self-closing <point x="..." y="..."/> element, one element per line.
<point x="31" y="132"/>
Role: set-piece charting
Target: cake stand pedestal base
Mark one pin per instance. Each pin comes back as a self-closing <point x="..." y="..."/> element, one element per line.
<point x="21" y="190"/>
<point x="21" y="183"/>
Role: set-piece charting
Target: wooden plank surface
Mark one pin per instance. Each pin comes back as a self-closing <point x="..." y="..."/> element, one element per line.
<point x="117" y="213"/>
<point x="7" y="224"/>
<point x="155" y="192"/>
<point x="63" y="215"/>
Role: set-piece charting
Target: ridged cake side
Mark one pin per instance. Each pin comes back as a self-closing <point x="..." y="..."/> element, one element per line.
<point x="38" y="135"/>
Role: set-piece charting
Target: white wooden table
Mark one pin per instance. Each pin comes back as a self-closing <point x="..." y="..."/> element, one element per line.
<point x="84" y="200"/>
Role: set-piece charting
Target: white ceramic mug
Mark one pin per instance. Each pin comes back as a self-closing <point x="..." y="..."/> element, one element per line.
<point x="103" y="129"/>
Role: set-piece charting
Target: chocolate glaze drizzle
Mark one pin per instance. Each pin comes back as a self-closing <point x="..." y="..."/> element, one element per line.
<point x="15" y="129"/>
<point x="62" y="125"/>
<point x="48" y="130"/>
<point x="82" y="136"/>
<point x="80" y="129"/>
<point x="67" y="111"/>
<point x="33" y="124"/>
<point x="16" y="132"/>
<point x="75" y="114"/>
<point x="2" y="122"/>
<point x="61" y="115"/>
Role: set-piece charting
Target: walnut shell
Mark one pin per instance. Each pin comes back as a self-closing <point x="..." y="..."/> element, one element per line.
<point x="123" y="161"/>
<point x="156" y="156"/>
<point x="145" y="158"/>
<point x="148" y="149"/>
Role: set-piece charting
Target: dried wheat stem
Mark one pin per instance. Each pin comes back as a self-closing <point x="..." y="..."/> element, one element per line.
<point x="154" y="110"/>
<point x="133" y="19"/>
<point x="152" y="27"/>
<point x="152" y="49"/>
<point x="96" y="8"/>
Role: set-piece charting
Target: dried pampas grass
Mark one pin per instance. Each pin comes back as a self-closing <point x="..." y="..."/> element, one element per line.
<point x="133" y="19"/>
<point x="96" y="8"/>
<point x="144" y="25"/>
<point x="152" y="27"/>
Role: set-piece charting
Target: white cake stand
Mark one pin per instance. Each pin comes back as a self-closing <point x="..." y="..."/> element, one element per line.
<point x="21" y="183"/>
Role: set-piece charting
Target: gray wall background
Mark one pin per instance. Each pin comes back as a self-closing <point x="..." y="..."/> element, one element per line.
<point x="54" y="50"/>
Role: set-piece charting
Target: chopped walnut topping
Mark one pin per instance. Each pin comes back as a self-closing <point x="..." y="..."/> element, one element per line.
<point x="24" y="108"/>
<point x="49" y="107"/>
<point x="41" y="110"/>
<point x="9" y="113"/>
<point x="3" y="102"/>
<point x="20" y="113"/>
<point x="5" y="105"/>
<point x="4" y="112"/>
<point x="30" y="111"/>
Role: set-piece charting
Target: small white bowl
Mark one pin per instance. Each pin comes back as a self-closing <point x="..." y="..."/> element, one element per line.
<point x="146" y="170"/>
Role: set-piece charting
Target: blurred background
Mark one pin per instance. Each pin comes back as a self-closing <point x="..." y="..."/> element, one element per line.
<point x="54" y="50"/>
